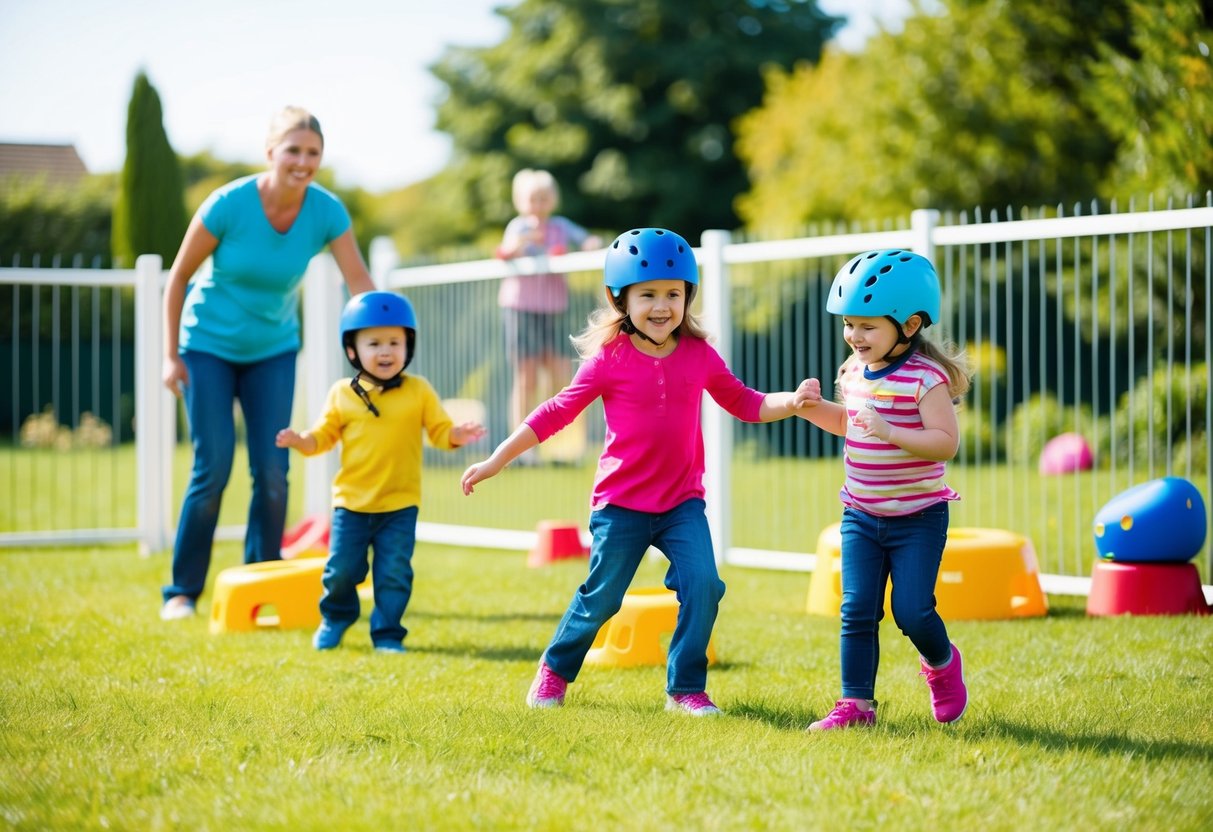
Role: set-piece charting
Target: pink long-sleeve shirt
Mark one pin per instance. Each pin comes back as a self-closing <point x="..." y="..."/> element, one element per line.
<point x="652" y="459"/>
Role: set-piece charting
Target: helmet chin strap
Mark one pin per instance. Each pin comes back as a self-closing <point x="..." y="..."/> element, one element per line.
<point x="629" y="328"/>
<point x="902" y="338"/>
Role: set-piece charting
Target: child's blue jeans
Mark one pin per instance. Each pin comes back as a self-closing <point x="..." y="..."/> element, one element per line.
<point x="620" y="539"/>
<point x="908" y="550"/>
<point x="265" y="390"/>
<point x="392" y="535"/>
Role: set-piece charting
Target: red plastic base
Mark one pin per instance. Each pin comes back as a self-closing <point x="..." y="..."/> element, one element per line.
<point x="1145" y="589"/>
<point x="557" y="540"/>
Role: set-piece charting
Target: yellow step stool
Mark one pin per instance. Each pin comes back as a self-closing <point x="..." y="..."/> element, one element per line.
<point x="291" y="587"/>
<point x="984" y="574"/>
<point x="634" y="635"/>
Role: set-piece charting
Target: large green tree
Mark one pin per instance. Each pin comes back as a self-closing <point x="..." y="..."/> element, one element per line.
<point x="630" y="104"/>
<point x="980" y="102"/>
<point x="149" y="214"/>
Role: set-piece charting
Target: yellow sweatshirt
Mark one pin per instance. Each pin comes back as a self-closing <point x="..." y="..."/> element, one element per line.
<point x="381" y="455"/>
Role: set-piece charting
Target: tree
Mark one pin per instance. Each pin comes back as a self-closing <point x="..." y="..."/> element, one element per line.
<point x="149" y="214"/>
<point x="1156" y="101"/>
<point x="984" y="103"/>
<point x="628" y="103"/>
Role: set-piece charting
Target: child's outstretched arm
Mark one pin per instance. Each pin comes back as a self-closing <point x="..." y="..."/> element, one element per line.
<point x="302" y="442"/>
<point x="829" y="416"/>
<point x="776" y="406"/>
<point x="940" y="434"/>
<point x="518" y="443"/>
<point x="466" y="433"/>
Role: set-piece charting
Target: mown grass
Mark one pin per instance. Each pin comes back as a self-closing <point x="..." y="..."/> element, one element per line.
<point x="113" y="719"/>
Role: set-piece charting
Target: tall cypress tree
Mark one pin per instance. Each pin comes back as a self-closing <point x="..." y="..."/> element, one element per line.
<point x="149" y="215"/>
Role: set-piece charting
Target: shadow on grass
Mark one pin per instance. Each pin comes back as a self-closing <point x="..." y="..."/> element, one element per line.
<point x="486" y="652"/>
<point x="788" y="719"/>
<point x="1109" y="744"/>
<point x="488" y="618"/>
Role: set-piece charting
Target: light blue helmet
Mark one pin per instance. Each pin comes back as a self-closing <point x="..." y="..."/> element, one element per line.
<point x="649" y="254"/>
<point x="894" y="282"/>
<point x="378" y="309"/>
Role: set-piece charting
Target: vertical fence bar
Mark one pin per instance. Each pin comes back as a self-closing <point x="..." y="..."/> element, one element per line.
<point x="150" y="408"/>
<point x="717" y="429"/>
<point x="320" y="365"/>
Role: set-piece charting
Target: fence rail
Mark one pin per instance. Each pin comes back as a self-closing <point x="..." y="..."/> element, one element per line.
<point x="1095" y="324"/>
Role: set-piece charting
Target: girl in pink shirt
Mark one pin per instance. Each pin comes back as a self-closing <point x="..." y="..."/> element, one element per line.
<point x="648" y="358"/>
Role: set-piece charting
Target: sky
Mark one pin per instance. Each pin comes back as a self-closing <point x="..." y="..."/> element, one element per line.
<point x="224" y="67"/>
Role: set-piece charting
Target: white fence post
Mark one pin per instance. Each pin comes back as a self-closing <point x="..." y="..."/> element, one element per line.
<point x="717" y="425"/>
<point x="155" y="415"/>
<point x="922" y="226"/>
<point x="384" y="258"/>
<point x="320" y="364"/>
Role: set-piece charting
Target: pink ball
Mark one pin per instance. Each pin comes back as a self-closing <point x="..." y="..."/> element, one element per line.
<point x="1065" y="454"/>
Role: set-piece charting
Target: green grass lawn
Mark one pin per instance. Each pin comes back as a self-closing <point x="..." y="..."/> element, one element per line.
<point x="115" y="720"/>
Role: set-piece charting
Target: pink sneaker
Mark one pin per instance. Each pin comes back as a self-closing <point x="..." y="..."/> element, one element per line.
<point x="548" y="689"/>
<point x="695" y="704"/>
<point x="949" y="696"/>
<point x="845" y="714"/>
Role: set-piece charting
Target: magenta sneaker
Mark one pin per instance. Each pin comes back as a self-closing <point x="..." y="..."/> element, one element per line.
<point x="845" y="714"/>
<point x="548" y="689"/>
<point x="949" y="696"/>
<point x="695" y="704"/>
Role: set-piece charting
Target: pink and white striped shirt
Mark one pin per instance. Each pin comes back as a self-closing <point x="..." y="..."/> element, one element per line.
<point x="881" y="478"/>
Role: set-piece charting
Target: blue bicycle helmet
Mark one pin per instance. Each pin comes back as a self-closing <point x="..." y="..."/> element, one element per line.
<point x="649" y="254"/>
<point x="378" y="309"/>
<point x="893" y="283"/>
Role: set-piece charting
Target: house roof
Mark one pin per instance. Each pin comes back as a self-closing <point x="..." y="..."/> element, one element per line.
<point x="59" y="163"/>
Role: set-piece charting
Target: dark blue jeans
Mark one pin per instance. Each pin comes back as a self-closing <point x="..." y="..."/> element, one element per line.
<point x="620" y="539"/>
<point x="265" y="390"/>
<point x="392" y="535"/>
<point x="906" y="550"/>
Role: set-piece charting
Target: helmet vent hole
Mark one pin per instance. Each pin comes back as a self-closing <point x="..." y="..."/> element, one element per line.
<point x="644" y="264"/>
<point x="905" y="258"/>
<point x="633" y="250"/>
<point x="681" y="249"/>
<point x="669" y="264"/>
<point x="867" y="298"/>
<point x="885" y="269"/>
<point x="871" y="281"/>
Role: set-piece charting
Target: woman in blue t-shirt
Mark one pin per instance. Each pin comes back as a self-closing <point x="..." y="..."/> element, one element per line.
<point x="235" y="333"/>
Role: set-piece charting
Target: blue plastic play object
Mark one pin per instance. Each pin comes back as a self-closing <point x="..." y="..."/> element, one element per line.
<point x="1160" y="521"/>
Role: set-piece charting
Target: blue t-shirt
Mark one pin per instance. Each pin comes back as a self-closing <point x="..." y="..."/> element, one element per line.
<point x="247" y="307"/>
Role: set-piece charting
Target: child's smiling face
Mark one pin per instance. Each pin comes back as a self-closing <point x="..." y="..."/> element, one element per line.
<point x="657" y="307"/>
<point x="871" y="339"/>
<point x="381" y="350"/>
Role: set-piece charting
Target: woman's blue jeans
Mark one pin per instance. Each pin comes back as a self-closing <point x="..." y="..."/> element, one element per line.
<point x="265" y="390"/>
<point x="908" y="550"/>
<point x="620" y="539"/>
<point x="392" y="535"/>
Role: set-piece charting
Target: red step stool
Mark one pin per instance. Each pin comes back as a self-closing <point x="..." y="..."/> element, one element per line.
<point x="1145" y="589"/>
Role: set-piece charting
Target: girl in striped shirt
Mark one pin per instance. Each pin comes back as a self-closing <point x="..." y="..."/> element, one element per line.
<point x="896" y="395"/>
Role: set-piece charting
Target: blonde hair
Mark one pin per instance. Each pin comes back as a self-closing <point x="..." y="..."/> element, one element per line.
<point x="289" y="120"/>
<point x="606" y="322"/>
<point x="527" y="181"/>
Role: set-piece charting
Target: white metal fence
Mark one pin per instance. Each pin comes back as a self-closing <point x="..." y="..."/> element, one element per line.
<point x="1095" y="324"/>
